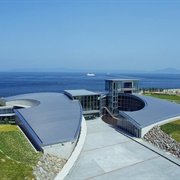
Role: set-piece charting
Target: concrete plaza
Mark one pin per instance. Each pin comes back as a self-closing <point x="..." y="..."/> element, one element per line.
<point x="108" y="154"/>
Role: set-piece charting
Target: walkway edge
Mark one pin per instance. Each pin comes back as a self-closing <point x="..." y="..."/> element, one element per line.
<point x="152" y="148"/>
<point x="74" y="156"/>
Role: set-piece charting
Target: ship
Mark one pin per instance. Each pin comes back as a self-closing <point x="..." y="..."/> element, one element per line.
<point x="90" y="74"/>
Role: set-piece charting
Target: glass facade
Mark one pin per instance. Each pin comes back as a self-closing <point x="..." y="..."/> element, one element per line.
<point x="128" y="126"/>
<point x="129" y="103"/>
<point x="120" y="98"/>
<point x="7" y="116"/>
<point x="91" y="105"/>
<point x="6" y="111"/>
<point x="7" y="119"/>
<point x="91" y="102"/>
<point x="116" y="86"/>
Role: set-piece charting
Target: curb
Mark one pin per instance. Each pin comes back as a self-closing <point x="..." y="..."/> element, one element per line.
<point x="75" y="154"/>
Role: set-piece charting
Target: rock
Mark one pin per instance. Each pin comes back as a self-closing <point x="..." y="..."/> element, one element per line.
<point x="48" y="167"/>
<point x="158" y="138"/>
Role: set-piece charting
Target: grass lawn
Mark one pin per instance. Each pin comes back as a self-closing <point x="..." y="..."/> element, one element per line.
<point x="174" y="98"/>
<point x="172" y="129"/>
<point x="17" y="157"/>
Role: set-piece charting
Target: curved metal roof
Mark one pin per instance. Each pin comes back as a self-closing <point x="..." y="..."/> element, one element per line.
<point x="56" y="119"/>
<point x="155" y="110"/>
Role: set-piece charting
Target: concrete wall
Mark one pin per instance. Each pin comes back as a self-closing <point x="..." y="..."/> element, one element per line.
<point x="75" y="154"/>
<point x="62" y="150"/>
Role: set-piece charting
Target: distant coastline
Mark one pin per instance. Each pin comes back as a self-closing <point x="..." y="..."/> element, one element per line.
<point x="65" y="70"/>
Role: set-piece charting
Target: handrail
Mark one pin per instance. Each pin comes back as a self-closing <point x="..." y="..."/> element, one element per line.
<point x="110" y="113"/>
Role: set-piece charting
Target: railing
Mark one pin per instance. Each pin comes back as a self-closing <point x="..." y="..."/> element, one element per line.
<point x="110" y="113"/>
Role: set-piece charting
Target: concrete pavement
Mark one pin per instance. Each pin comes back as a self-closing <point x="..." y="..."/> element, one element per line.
<point x="108" y="154"/>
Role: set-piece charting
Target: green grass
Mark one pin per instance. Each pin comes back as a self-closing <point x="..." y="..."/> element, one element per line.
<point x="172" y="129"/>
<point x="10" y="169"/>
<point x="17" y="157"/>
<point x="174" y="98"/>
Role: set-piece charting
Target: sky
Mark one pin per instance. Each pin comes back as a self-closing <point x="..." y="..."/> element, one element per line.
<point x="89" y="34"/>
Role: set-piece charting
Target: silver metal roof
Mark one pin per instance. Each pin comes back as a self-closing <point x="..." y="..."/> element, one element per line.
<point x="56" y="119"/>
<point x="155" y="110"/>
<point x="80" y="92"/>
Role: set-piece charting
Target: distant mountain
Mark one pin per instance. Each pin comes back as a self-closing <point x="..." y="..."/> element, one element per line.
<point x="168" y="71"/>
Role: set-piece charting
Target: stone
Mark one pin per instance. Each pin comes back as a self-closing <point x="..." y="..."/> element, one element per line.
<point x="48" y="167"/>
<point x="158" y="138"/>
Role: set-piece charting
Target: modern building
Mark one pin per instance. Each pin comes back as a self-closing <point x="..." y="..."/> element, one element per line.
<point x="90" y="101"/>
<point x="116" y="86"/>
<point x="146" y="114"/>
<point x="135" y="113"/>
<point x="52" y="121"/>
<point x="7" y="115"/>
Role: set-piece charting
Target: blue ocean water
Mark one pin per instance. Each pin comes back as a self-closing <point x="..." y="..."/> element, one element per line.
<point x="14" y="83"/>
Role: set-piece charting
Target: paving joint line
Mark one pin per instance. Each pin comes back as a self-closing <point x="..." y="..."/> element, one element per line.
<point x="124" y="167"/>
<point x="149" y="148"/>
<point x="106" y="146"/>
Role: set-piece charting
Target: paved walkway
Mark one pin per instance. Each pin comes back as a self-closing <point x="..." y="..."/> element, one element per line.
<point x="108" y="154"/>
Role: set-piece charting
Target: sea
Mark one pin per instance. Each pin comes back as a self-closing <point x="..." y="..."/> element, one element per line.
<point x="14" y="83"/>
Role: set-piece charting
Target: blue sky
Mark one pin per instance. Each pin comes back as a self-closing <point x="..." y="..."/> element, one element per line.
<point x="92" y="34"/>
